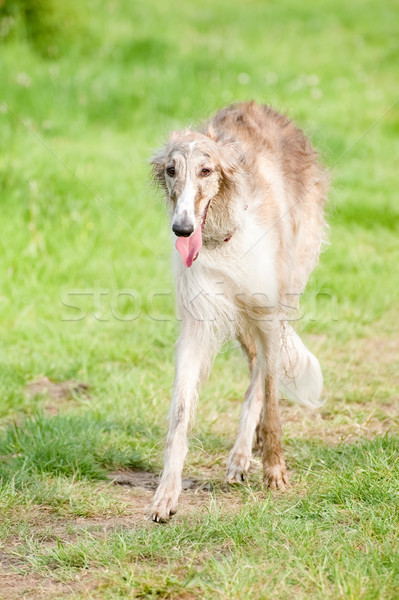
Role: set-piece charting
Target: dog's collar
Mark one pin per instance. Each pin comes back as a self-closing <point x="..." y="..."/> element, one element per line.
<point x="212" y="243"/>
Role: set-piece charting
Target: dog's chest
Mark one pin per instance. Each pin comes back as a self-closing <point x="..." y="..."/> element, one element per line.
<point x="222" y="282"/>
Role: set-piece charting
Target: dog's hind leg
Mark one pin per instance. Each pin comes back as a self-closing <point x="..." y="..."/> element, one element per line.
<point x="274" y="469"/>
<point x="195" y="350"/>
<point x="299" y="378"/>
<point x="239" y="460"/>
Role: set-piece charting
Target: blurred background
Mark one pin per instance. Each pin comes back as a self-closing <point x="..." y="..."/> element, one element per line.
<point x="89" y="90"/>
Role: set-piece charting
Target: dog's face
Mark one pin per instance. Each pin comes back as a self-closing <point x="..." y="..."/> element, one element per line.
<point x="192" y="168"/>
<point x="190" y="172"/>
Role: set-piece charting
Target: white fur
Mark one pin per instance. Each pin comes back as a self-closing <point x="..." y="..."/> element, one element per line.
<point x="207" y="291"/>
<point x="185" y="204"/>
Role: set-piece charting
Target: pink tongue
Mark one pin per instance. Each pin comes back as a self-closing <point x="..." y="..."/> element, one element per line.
<point x="190" y="246"/>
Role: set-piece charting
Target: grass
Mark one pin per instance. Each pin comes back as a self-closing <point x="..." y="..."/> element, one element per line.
<point x="73" y="446"/>
<point x="87" y="295"/>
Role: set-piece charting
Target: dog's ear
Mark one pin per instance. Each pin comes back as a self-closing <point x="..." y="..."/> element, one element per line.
<point x="230" y="156"/>
<point x="211" y="133"/>
<point x="157" y="163"/>
<point x="176" y="134"/>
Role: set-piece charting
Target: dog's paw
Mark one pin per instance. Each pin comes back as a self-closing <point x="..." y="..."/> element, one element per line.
<point x="276" y="477"/>
<point x="165" y="504"/>
<point x="238" y="466"/>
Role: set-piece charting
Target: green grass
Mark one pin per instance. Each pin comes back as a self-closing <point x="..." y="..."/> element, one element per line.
<point x="88" y="91"/>
<point x="73" y="446"/>
<point x="336" y="540"/>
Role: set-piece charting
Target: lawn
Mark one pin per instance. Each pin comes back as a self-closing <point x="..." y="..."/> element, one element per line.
<point x="87" y="92"/>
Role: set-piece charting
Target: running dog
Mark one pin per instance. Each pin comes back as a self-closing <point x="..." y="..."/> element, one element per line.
<point x="246" y="194"/>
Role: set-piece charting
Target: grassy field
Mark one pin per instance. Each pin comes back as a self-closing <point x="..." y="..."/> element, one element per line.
<point x="87" y="91"/>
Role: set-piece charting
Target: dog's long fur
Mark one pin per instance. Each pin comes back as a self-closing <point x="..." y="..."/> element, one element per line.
<point x="251" y="179"/>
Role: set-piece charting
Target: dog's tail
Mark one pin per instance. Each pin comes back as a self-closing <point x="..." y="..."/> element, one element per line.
<point x="300" y="379"/>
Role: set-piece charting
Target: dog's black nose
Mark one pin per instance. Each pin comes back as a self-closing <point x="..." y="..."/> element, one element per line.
<point x="183" y="230"/>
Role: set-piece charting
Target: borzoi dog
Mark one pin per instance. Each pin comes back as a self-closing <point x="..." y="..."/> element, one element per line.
<point x="246" y="195"/>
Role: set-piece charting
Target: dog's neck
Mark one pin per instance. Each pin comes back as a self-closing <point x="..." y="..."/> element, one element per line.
<point x="212" y="240"/>
<point x="222" y="223"/>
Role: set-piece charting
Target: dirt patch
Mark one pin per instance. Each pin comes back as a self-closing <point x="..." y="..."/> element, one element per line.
<point x="382" y="349"/>
<point x="149" y="481"/>
<point x="136" y="490"/>
<point x="58" y="392"/>
<point x="353" y="421"/>
<point x="35" y="587"/>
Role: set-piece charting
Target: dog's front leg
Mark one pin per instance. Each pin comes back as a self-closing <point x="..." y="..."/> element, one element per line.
<point x="194" y="354"/>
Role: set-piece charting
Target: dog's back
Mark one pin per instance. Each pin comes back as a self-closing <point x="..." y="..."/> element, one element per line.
<point x="280" y="158"/>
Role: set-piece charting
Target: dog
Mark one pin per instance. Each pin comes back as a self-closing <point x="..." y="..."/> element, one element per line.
<point x="246" y="194"/>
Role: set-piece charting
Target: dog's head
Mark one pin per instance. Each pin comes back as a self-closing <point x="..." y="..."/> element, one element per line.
<point x="193" y="168"/>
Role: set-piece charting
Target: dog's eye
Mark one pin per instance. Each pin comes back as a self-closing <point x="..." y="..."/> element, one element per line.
<point x="205" y="172"/>
<point x="170" y="171"/>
